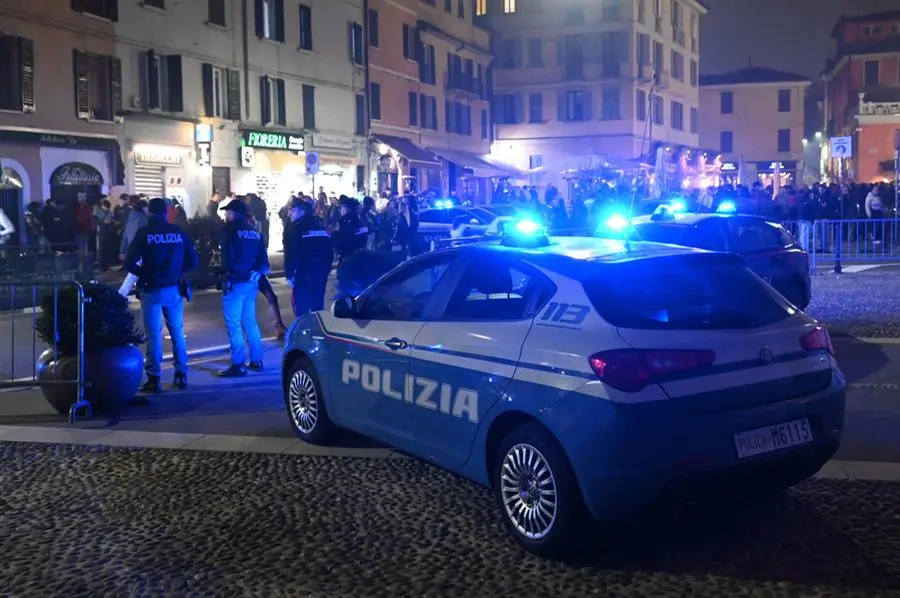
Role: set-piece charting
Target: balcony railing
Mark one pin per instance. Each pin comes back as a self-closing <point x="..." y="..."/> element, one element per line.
<point x="464" y="83"/>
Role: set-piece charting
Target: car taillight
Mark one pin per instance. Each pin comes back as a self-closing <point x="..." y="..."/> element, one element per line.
<point x="631" y="370"/>
<point x="817" y="339"/>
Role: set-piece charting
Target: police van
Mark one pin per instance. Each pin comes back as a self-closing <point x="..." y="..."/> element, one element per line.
<point x="580" y="379"/>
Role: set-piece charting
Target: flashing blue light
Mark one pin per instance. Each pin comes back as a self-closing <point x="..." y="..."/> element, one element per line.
<point x="677" y="206"/>
<point x="727" y="207"/>
<point x="616" y="223"/>
<point x="443" y="203"/>
<point x="529" y="227"/>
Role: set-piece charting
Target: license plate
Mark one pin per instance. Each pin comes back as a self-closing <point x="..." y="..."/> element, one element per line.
<point x="773" y="438"/>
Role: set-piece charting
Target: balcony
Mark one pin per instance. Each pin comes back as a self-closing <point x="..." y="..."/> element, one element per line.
<point x="463" y="83"/>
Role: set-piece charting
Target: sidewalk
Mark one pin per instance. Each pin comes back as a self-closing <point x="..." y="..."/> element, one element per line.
<point x="246" y="415"/>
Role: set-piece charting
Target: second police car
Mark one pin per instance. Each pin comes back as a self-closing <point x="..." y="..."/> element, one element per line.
<point x="578" y="378"/>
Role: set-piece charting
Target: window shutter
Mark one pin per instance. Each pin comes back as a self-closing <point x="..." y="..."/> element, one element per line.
<point x="112" y="10"/>
<point x="234" y="95"/>
<point x="405" y="41"/>
<point x="434" y="114"/>
<point x="432" y="69"/>
<point x="560" y="51"/>
<point x="413" y="112"/>
<point x="309" y="107"/>
<point x="281" y="102"/>
<point x="448" y="116"/>
<point x="259" y="18"/>
<point x="82" y="86"/>
<point x="561" y="111"/>
<point x="588" y="105"/>
<point x="279" y="20"/>
<point x="154" y="101"/>
<point x="115" y="88"/>
<point x="26" y="74"/>
<point x="208" y="97"/>
<point x="520" y="108"/>
<point x="423" y="111"/>
<point x="265" y="102"/>
<point x="176" y="83"/>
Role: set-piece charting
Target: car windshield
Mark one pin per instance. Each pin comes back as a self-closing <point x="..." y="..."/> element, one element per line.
<point x="697" y="291"/>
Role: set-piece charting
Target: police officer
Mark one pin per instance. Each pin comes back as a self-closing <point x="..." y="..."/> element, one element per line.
<point x="244" y="260"/>
<point x="308" y="257"/>
<point x="160" y="255"/>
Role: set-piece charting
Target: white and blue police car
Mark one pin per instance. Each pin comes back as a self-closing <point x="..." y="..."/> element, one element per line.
<point x="578" y="378"/>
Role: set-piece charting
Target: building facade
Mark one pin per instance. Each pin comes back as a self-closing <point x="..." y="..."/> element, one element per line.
<point x="60" y="102"/>
<point x="255" y="96"/>
<point x="755" y="117"/>
<point x="867" y="62"/>
<point x="430" y="76"/>
<point x="578" y="83"/>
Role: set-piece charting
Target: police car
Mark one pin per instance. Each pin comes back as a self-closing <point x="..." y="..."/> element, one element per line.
<point x="767" y="247"/>
<point x="578" y="378"/>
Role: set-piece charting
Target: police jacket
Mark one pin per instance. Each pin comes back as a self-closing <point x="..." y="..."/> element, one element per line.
<point x="160" y="254"/>
<point x="351" y="234"/>
<point x="243" y="251"/>
<point x="308" y="250"/>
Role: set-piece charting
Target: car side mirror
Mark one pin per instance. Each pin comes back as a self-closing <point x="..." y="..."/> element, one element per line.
<point x="344" y="307"/>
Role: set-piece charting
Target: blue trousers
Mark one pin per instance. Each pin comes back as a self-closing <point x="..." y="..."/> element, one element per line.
<point x="158" y="305"/>
<point x="239" y="309"/>
<point x="308" y="293"/>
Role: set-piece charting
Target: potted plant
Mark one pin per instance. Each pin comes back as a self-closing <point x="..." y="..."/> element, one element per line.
<point x="113" y="364"/>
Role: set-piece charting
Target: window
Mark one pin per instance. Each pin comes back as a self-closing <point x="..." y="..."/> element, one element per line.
<point x="535" y="52"/>
<point x="658" y="59"/>
<point x="574" y="106"/>
<point x="161" y="82"/>
<point x="784" y="140"/>
<point x="491" y="290"/>
<point x="749" y="235"/>
<point x="413" y="109"/>
<point x="308" y="98"/>
<point x="448" y="5"/>
<point x="373" y="28"/>
<point x="272" y="102"/>
<point x="461" y="9"/>
<point x="160" y="4"/>
<point x="406" y="294"/>
<point x="412" y="45"/>
<point x="355" y="43"/>
<point x="677" y="66"/>
<point x="658" y="112"/>
<point x="784" y="100"/>
<point x="481" y="7"/>
<point x="726" y="102"/>
<point x="360" y="113"/>
<point x="484" y="124"/>
<point x="535" y="108"/>
<point x="375" y="100"/>
<point x="98" y="81"/>
<point x="506" y="111"/>
<point x="678" y="116"/>
<point x="709" y="234"/>
<point x="535" y="163"/>
<point x="306" y="28"/>
<point x="270" y="20"/>
<point x="216" y="13"/>
<point x="104" y="9"/>
<point x="611" y="109"/>
<point x="17" y="73"/>
<point x="695" y="118"/>
<point x="427" y="65"/>
<point x="640" y="105"/>
<point x="428" y="118"/>
<point x="726" y="142"/>
<point x="509" y="7"/>
<point x="642" y="51"/>
<point x="871" y="73"/>
<point x="695" y="73"/>
<point x="510" y="54"/>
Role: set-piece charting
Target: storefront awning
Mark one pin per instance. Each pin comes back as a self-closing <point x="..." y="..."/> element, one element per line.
<point x="416" y="155"/>
<point x="480" y="166"/>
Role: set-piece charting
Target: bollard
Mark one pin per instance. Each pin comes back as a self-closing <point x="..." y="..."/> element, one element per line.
<point x="837" y="249"/>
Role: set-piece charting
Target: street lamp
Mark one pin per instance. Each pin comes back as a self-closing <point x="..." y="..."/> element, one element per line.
<point x="818" y="134"/>
<point x="805" y="141"/>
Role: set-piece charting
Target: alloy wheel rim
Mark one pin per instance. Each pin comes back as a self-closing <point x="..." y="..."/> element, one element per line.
<point x="528" y="490"/>
<point x="303" y="402"/>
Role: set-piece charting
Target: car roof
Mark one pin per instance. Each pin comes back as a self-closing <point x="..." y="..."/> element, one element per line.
<point x="692" y="218"/>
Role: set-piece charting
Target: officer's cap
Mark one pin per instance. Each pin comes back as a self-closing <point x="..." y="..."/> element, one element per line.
<point x="235" y="205"/>
<point x="299" y="202"/>
<point x="157" y="205"/>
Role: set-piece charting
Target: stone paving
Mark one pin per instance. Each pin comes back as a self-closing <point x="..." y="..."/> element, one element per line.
<point x="100" y="521"/>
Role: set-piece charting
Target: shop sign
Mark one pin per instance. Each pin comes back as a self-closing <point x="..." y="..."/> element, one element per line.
<point x="76" y="174"/>
<point x="158" y="156"/>
<point x="332" y="141"/>
<point x="51" y="139"/>
<point x="203" y="135"/>
<point x="771" y="166"/>
<point x="273" y="140"/>
<point x="729" y="167"/>
<point x="248" y="157"/>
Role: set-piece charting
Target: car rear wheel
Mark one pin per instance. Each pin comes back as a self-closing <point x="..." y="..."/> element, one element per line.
<point x="795" y="292"/>
<point x="537" y="493"/>
<point x="305" y="403"/>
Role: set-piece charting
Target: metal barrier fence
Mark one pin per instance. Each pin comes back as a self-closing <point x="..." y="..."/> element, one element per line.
<point x="25" y="302"/>
<point x="837" y="241"/>
<point x="35" y="262"/>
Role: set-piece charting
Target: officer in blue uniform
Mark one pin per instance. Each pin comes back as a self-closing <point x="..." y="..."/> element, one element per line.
<point x="160" y="255"/>
<point x="308" y="255"/>
<point x="244" y="260"/>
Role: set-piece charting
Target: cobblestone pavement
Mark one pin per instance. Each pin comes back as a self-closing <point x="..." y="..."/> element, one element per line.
<point x="83" y="521"/>
<point x="857" y="305"/>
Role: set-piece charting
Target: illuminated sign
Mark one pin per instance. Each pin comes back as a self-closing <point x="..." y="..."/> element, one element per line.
<point x="273" y="140"/>
<point x="729" y="167"/>
<point x="204" y="153"/>
<point x="771" y="166"/>
<point x="151" y="155"/>
<point x="248" y="157"/>
<point x="203" y="133"/>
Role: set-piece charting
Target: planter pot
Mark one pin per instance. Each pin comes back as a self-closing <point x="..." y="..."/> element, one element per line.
<point x="113" y="377"/>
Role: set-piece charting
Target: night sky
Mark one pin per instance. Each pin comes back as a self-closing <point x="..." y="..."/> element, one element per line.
<point x="789" y="35"/>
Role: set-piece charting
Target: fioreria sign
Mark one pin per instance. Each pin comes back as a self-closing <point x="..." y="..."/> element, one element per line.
<point x="273" y="140"/>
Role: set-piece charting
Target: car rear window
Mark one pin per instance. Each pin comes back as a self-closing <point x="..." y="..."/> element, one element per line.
<point x="688" y="292"/>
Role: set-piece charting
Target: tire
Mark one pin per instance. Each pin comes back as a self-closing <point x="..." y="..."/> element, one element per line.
<point x="305" y="403"/>
<point x="795" y="292"/>
<point x="557" y="532"/>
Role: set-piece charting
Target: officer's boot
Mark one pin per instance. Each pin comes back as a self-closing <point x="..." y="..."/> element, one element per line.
<point x="280" y="328"/>
<point x="152" y="385"/>
<point x="180" y="381"/>
<point x="238" y="370"/>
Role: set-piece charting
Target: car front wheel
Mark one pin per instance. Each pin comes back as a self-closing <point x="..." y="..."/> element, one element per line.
<point x="537" y="493"/>
<point x="305" y="403"/>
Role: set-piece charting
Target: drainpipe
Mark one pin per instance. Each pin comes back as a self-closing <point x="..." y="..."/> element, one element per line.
<point x="368" y="99"/>
<point x="245" y="48"/>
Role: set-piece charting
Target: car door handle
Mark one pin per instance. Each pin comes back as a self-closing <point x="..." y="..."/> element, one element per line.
<point x="395" y="344"/>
